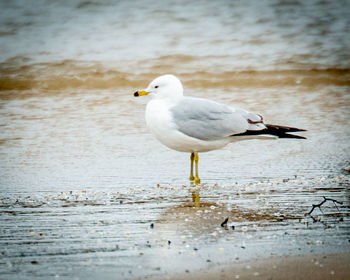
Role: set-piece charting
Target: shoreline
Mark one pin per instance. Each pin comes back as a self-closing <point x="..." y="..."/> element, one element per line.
<point x="314" y="266"/>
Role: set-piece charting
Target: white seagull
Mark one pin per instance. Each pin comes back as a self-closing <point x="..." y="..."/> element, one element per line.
<point x="194" y="125"/>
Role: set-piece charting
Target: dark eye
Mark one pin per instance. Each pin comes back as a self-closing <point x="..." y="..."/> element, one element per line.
<point x="156" y="86"/>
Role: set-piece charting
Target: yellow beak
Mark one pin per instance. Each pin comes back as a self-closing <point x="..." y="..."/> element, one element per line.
<point x="140" y="93"/>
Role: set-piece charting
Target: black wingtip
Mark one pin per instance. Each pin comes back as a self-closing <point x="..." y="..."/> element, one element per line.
<point x="286" y="135"/>
<point x="285" y="129"/>
<point x="276" y="130"/>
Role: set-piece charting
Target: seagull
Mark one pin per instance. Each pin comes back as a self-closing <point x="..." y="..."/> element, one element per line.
<point x="195" y="125"/>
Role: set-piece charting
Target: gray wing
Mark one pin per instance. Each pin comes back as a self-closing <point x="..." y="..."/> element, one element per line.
<point x="209" y="120"/>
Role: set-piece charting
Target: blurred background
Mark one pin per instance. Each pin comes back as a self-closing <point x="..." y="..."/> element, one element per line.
<point x="73" y="138"/>
<point x="68" y="69"/>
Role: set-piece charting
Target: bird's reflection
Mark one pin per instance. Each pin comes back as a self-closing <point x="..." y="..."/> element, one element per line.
<point x="195" y="189"/>
<point x="196" y="198"/>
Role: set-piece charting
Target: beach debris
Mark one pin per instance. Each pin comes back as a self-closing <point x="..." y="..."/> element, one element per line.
<point x="325" y="199"/>
<point x="169" y="242"/>
<point x="151" y="225"/>
<point x="224" y="223"/>
<point x="346" y="169"/>
<point x="220" y="249"/>
<point x="34" y="262"/>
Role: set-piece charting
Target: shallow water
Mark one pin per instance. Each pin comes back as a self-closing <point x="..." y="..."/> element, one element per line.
<point x="82" y="180"/>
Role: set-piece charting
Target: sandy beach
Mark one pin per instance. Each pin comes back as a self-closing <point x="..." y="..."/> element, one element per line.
<point x="323" y="267"/>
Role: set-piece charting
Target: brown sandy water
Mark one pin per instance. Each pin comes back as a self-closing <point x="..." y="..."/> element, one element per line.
<point x="82" y="180"/>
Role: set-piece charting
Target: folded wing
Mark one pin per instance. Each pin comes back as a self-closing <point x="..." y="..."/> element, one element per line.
<point x="208" y="120"/>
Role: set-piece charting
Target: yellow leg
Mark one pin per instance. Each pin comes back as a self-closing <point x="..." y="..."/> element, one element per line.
<point x="191" y="175"/>
<point x="196" y="178"/>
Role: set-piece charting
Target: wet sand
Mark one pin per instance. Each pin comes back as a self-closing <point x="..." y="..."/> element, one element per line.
<point x="304" y="267"/>
<point x="82" y="182"/>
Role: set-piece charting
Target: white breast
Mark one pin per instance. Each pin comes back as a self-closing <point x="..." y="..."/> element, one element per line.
<point x="158" y="119"/>
<point x="159" y="122"/>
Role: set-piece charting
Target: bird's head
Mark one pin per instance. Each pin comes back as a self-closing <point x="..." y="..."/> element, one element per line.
<point x="162" y="87"/>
